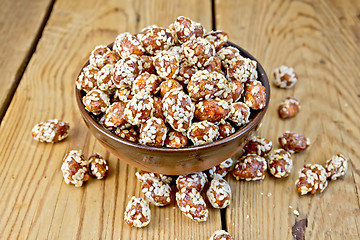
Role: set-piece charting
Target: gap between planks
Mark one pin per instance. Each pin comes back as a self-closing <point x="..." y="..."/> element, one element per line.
<point x="213" y="15"/>
<point x="26" y="60"/>
<point x="213" y="25"/>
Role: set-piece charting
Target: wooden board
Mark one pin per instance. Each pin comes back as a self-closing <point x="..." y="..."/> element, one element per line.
<point x="35" y="202"/>
<point x="321" y="41"/>
<point x="21" y="23"/>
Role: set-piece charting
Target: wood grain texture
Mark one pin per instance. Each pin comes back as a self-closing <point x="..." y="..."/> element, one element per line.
<point x="35" y="203"/>
<point x="20" y="25"/>
<point x="320" y="39"/>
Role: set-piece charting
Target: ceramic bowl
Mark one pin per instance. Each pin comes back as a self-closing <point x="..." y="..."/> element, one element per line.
<point x="172" y="161"/>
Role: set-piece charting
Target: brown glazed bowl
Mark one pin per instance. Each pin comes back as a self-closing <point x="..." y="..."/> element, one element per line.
<point x="173" y="161"/>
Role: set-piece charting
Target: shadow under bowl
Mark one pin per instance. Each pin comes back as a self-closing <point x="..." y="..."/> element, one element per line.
<point x="176" y="161"/>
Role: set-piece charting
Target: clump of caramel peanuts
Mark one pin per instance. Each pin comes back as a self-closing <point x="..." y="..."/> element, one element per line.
<point x="51" y="131"/>
<point x="171" y="87"/>
<point x="76" y="169"/>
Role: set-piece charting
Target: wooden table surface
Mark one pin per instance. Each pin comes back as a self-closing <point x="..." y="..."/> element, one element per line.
<point x="44" y="43"/>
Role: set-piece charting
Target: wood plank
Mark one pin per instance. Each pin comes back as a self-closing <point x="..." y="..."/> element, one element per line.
<point x="35" y="202"/>
<point x="321" y="41"/>
<point x="21" y="23"/>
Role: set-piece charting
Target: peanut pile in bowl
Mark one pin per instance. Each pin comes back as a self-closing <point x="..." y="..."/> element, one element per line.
<point x="171" y="87"/>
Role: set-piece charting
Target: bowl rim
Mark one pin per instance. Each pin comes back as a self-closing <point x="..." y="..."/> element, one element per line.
<point x="254" y="122"/>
